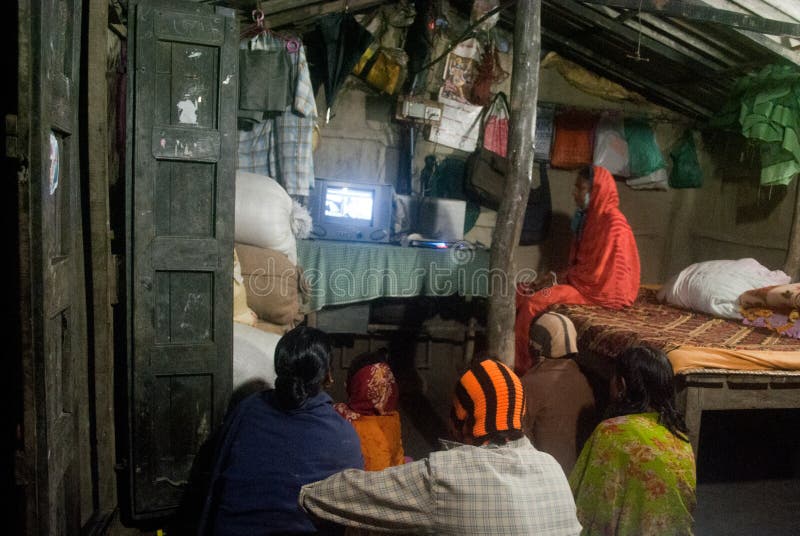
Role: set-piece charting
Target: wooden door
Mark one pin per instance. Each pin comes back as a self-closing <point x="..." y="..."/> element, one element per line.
<point x="57" y="435"/>
<point x="182" y="133"/>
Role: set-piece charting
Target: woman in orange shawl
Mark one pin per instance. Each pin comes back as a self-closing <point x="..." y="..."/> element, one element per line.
<point x="603" y="262"/>
<point x="372" y="410"/>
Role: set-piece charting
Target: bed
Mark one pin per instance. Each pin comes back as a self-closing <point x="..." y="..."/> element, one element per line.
<point x="719" y="364"/>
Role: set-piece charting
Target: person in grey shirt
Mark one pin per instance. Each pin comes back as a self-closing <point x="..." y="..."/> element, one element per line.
<point x="491" y="481"/>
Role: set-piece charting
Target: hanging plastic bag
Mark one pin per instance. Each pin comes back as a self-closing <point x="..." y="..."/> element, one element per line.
<point x="574" y="137"/>
<point x="645" y="155"/>
<point x="686" y="172"/>
<point x="610" y="145"/>
<point x="495" y="130"/>
<point x="382" y="68"/>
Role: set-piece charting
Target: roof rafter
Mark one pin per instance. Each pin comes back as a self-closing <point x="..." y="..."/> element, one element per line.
<point x="704" y="13"/>
<point x="674" y="52"/>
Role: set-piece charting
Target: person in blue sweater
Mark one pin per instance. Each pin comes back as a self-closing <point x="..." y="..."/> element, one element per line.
<point x="276" y="441"/>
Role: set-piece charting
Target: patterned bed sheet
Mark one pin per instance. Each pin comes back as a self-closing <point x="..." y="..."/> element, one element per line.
<point x="608" y="332"/>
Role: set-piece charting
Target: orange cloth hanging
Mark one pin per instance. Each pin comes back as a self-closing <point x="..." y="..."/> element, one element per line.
<point x="573" y="140"/>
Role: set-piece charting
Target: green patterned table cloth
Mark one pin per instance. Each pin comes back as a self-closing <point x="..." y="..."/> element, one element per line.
<point x="340" y="273"/>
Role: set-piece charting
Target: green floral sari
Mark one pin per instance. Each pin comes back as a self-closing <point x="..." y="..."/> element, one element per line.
<point x="634" y="477"/>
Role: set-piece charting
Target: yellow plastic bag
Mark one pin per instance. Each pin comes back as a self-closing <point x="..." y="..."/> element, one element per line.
<point x="382" y="68"/>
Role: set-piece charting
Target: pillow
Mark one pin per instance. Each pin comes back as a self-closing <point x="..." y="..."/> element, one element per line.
<point x="714" y="287"/>
<point x="776" y="297"/>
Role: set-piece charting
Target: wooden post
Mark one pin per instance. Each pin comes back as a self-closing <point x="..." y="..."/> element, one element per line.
<point x="102" y="268"/>
<point x="524" y="95"/>
<point x="792" y="264"/>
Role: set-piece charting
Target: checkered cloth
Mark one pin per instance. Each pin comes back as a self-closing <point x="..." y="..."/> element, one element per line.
<point x="505" y="491"/>
<point x="281" y="146"/>
<point x="340" y="273"/>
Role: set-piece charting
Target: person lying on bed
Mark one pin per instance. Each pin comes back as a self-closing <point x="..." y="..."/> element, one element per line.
<point x="603" y="264"/>
<point x="371" y="408"/>
<point x="636" y="473"/>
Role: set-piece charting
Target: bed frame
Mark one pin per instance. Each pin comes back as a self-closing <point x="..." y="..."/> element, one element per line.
<point x="721" y="389"/>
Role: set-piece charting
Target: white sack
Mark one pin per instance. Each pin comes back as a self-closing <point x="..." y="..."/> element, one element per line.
<point x="264" y="214"/>
<point x="714" y="287"/>
<point x="253" y="356"/>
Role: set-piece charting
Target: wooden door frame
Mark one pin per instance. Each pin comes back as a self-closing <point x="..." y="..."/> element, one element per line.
<point x="34" y="454"/>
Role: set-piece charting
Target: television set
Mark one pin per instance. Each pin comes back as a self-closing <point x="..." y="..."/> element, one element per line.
<point x="349" y="210"/>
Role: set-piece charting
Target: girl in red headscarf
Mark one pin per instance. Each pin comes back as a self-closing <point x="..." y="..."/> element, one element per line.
<point x="372" y="410"/>
<point x="604" y="261"/>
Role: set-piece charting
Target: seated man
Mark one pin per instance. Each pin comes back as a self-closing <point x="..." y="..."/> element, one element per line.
<point x="561" y="408"/>
<point x="496" y="482"/>
<point x="603" y="262"/>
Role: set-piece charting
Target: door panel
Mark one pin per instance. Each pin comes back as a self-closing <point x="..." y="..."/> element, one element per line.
<point x="57" y="438"/>
<point x="180" y="242"/>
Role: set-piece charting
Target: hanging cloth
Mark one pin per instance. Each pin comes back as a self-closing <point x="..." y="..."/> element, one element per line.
<point x="266" y="80"/>
<point x="765" y="106"/>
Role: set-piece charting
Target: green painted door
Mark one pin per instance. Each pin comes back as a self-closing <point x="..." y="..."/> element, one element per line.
<point x="182" y="135"/>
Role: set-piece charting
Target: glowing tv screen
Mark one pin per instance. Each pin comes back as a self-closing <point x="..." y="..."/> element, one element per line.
<point x="349" y="203"/>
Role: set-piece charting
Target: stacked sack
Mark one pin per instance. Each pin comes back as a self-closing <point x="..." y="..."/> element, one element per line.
<point x="268" y="222"/>
<point x="266" y="278"/>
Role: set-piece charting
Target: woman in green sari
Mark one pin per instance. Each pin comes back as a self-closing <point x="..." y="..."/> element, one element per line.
<point x="636" y="473"/>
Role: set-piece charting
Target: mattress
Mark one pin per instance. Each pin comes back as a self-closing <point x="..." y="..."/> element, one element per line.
<point x="692" y="340"/>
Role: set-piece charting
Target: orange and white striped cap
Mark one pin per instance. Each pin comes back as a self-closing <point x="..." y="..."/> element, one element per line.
<point x="488" y="399"/>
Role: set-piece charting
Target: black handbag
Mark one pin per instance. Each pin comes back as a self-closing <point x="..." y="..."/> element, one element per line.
<point x="538" y="212"/>
<point x="486" y="181"/>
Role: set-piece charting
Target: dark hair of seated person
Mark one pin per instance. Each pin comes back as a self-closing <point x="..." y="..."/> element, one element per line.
<point x="648" y="378"/>
<point x="302" y="364"/>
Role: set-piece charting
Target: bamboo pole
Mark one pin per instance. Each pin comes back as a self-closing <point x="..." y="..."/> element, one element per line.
<point x="524" y="95"/>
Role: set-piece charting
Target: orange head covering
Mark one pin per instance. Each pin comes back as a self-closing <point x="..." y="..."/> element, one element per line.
<point x="371" y="387"/>
<point x="488" y="399"/>
<point x="604" y="261"/>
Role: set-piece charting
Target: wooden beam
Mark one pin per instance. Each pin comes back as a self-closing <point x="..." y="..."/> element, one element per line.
<point x="704" y="69"/>
<point x="792" y="264"/>
<point x="310" y="11"/>
<point x="100" y="251"/>
<point x="505" y="237"/>
<point x="703" y="13"/>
